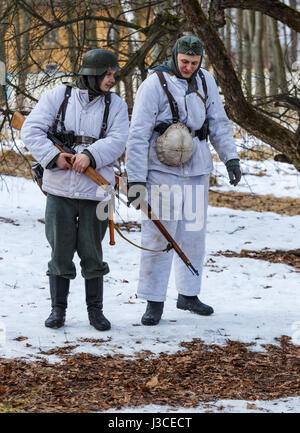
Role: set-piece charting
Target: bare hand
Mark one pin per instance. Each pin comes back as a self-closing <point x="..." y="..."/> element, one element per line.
<point x="62" y="162"/>
<point x="80" y="162"/>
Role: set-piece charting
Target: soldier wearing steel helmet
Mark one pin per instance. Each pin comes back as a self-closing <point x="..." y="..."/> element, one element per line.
<point x="97" y="122"/>
<point x="176" y="108"/>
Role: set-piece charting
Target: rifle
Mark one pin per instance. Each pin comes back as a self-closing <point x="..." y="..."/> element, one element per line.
<point x="17" y="122"/>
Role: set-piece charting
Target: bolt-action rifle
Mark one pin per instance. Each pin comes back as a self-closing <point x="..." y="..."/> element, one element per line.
<point x="17" y="122"/>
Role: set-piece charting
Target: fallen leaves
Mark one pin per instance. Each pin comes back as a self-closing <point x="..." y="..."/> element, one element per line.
<point x="21" y="338"/>
<point x="9" y="221"/>
<point x="289" y="257"/>
<point x="256" y="202"/>
<point x="196" y="373"/>
<point x="153" y="382"/>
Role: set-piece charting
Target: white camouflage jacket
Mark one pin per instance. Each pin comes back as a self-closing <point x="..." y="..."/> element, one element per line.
<point x="84" y="118"/>
<point x="152" y="108"/>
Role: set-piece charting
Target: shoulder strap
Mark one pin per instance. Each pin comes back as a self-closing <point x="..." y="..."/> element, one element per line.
<point x="172" y="102"/>
<point x="62" y="110"/>
<point x="204" y="85"/>
<point x="107" y="101"/>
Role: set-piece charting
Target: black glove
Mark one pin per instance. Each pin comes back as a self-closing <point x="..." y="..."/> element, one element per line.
<point x="139" y="191"/>
<point x="234" y="171"/>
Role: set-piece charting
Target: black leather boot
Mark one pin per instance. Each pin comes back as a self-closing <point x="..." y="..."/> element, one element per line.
<point x="94" y="302"/>
<point x="192" y="303"/>
<point x="59" y="290"/>
<point x="153" y="313"/>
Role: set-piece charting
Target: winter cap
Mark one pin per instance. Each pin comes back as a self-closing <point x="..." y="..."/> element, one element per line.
<point x="189" y="45"/>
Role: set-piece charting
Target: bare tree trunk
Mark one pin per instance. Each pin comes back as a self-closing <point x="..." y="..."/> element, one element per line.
<point x="91" y="31"/>
<point x="278" y="57"/>
<point x="276" y="9"/>
<point x="228" y="31"/>
<point x="3" y="28"/>
<point x="294" y="37"/>
<point x="21" y="22"/>
<point x="273" y="82"/>
<point x="73" y="55"/>
<point x="238" y="109"/>
<point x="239" y="47"/>
<point x="249" y="31"/>
<point x="260" y="88"/>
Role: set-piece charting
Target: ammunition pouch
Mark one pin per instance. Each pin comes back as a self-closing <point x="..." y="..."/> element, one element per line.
<point x="66" y="138"/>
<point x="38" y="175"/>
<point x="162" y="127"/>
<point x="203" y="132"/>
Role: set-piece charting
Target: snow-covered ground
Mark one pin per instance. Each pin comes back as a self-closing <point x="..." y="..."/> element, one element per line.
<point x="262" y="177"/>
<point x="253" y="300"/>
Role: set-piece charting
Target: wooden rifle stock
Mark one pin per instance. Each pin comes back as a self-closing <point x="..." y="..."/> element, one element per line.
<point x="17" y="122"/>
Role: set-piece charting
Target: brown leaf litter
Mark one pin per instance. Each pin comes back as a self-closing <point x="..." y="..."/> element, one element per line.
<point x="259" y="203"/>
<point x="8" y="220"/>
<point x="289" y="257"/>
<point x="196" y="373"/>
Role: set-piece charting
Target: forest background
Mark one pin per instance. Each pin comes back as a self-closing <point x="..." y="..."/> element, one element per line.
<point x="251" y="47"/>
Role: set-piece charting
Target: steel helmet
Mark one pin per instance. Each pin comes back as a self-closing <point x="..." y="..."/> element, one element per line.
<point x="97" y="62"/>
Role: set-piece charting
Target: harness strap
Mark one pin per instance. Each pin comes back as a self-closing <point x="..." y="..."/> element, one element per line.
<point x="203" y="132"/>
<point x="203" y="83"/>
<point x="172" y="102"/>
<point x="105" y="116"/>
<point x="200" y="96"/>
<point x="62" y="110"/>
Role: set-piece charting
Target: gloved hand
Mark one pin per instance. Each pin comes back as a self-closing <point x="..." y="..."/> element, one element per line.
<point x="137" y="192"/>
<point x="234" y="171"/>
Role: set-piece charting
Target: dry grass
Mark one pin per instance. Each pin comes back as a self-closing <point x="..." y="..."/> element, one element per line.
<point x="258" y="153"/>
<point x="15" y="164"/>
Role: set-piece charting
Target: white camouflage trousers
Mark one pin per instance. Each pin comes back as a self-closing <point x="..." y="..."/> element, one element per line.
<point x="181" y="205"/>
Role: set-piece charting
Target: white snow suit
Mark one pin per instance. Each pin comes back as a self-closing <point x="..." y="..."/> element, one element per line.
<point x="84" y="118"/>
<point x="150" y="109"/>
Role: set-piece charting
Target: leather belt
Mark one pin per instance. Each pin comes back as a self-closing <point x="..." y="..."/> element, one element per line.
<point x="82" y="139"/>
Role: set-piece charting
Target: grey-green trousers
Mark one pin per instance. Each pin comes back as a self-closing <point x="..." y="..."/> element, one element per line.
<point x="72" y="225"/>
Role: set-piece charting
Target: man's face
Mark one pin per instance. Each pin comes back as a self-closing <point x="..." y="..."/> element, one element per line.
<point x="187" y="65"/>
<point x="108" y="80"/>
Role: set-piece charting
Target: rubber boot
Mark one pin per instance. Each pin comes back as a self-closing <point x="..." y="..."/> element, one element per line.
<point x="193" y="304"/>
<point x="153" y="313"/>
<point x="94" y="302"/>
<point x="59" y="290"/>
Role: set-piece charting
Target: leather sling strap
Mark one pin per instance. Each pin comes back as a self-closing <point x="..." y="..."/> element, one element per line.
<point x="107" y="101"/>
<point x="62" y="110"/>
<point x="172" y="102"/>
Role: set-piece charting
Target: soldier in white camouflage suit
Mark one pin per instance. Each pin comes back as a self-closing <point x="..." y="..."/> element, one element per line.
<point x="72" y="198"/>
<point x="177" y="91"/>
